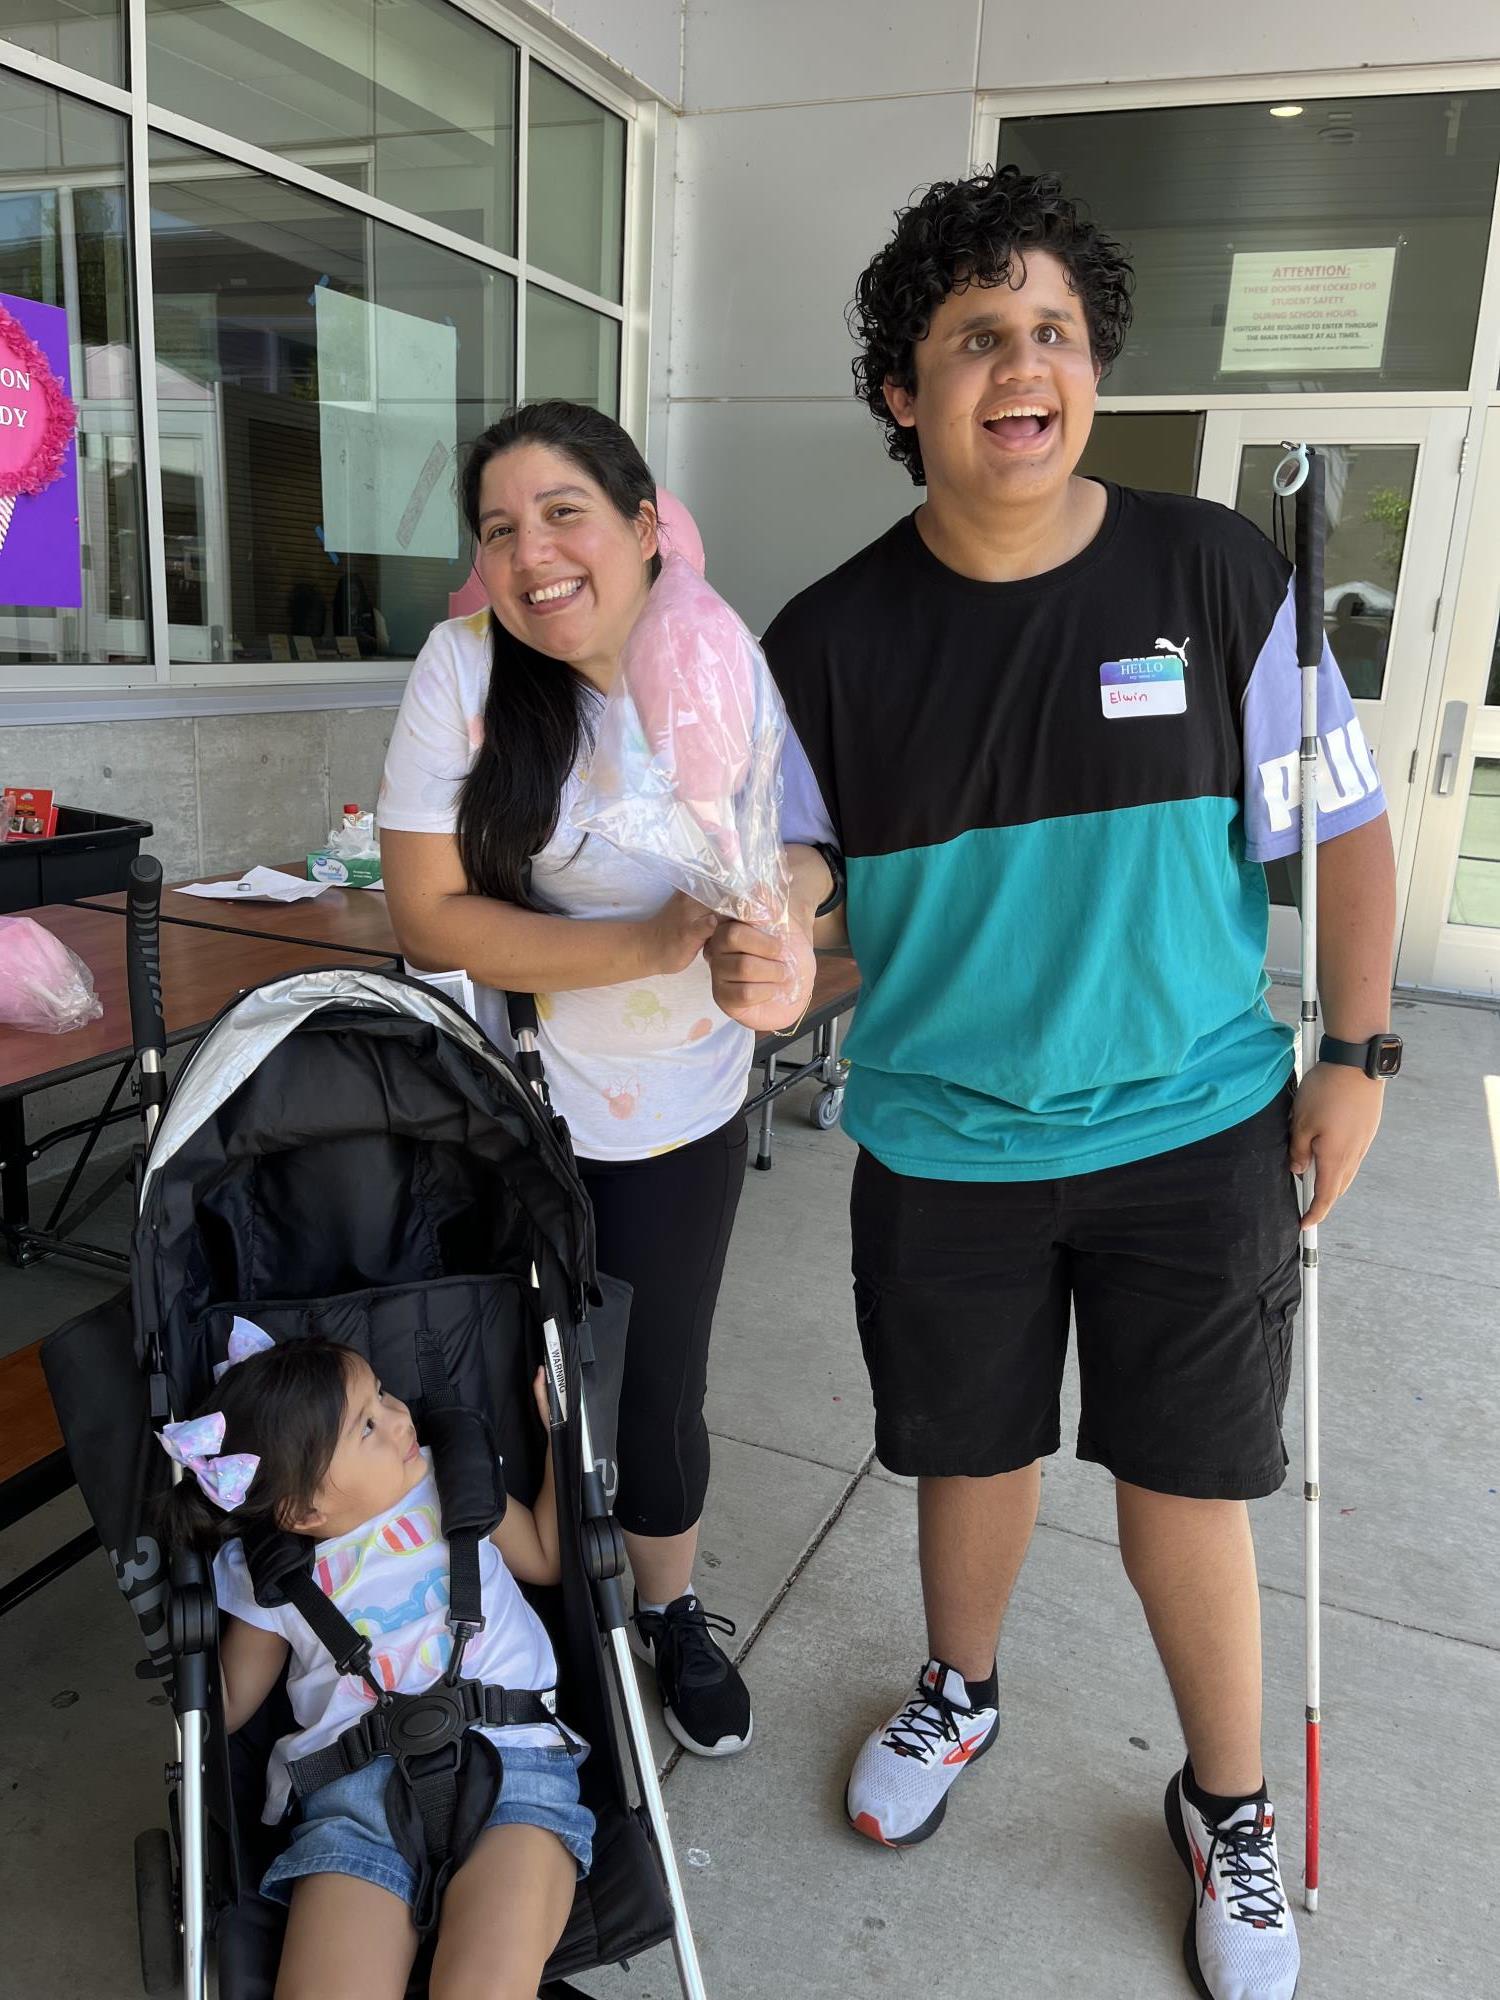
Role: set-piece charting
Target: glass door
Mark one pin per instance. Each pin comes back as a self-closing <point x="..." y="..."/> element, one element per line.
<point x="1452" y="933"/>
<point x="1392" y="486"/>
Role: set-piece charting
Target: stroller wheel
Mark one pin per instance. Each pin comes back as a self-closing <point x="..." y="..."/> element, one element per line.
<point x="156" y="1912"/>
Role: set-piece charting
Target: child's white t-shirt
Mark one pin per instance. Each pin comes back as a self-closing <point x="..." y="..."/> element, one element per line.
<point x="636" y="1069"/>
<point x="389" y="1577"/>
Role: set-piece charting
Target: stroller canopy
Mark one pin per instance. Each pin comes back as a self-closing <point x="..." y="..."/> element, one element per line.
<point x="341" y="1131"/>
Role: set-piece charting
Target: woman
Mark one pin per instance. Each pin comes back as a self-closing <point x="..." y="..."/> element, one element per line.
<point x="484" y="870"/>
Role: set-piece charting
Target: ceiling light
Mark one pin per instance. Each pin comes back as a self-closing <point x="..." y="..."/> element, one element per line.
<point x="1286" y="110"/>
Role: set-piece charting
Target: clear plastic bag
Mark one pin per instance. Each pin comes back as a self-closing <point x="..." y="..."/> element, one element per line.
<point x="686" y="770"/>
<point x="43" y="986"/>
<point x="354" y="838"/>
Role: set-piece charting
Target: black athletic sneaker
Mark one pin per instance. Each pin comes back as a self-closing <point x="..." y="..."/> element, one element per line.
<point x="706" y="1704"/>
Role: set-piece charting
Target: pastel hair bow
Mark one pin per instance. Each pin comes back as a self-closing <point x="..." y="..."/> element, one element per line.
<point x="195" y="1445"/>
<point x="245" y="1339"/>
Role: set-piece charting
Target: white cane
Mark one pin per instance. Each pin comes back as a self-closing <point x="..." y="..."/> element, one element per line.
<point x="1301" y="473"/>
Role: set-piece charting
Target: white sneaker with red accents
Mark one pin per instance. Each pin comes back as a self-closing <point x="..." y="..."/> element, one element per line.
<point x="898" y="1789"/>
<point x="1241" y="1943"/>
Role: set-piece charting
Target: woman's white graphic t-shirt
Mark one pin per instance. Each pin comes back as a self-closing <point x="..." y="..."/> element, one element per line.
<point x="636" y="1069"/>
<point x="389" y="1577"/>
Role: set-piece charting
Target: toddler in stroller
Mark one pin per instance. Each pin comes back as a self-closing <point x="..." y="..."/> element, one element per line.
<point x="344" y="1159"/>
<point x="434" y="1787"/>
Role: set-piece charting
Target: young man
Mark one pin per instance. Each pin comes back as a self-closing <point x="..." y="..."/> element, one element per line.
<point x="1055" y="726"/>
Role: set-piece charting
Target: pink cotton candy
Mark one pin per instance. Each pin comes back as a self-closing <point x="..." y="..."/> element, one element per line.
<point x="43" y="986"/>
<point x="473" y="597"/>
<point x="686" y="771"/>
<point x="678" y="531"/>
<point x="690" y="666"/>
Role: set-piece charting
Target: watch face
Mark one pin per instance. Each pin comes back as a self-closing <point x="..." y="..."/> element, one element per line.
<point x="1387" y="1055"/>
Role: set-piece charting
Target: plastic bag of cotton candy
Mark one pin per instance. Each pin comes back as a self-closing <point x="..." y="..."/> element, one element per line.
<point x="686" y="770"/>
<point x="44" y="987"/>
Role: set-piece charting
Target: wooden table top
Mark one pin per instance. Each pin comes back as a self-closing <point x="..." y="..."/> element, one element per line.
<point x="201" y="970"/>
<point x="28" y="1422"/>
<point x="837" y="975"/>
<point x="347" y="920"/>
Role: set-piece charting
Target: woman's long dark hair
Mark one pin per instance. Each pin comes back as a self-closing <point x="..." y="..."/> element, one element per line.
<point x="287" y="1406"/>
<point x="539" y="712"/>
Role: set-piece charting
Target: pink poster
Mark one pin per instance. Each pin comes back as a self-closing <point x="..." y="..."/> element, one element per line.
<point x="40" y="553"/>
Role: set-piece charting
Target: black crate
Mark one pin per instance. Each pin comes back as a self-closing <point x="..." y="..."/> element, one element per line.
<point x="89" y="855"/>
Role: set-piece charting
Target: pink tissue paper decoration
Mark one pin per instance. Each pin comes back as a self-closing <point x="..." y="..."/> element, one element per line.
<point x="40" y="419"/>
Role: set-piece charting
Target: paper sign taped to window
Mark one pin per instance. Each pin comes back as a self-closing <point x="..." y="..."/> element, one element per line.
<point x="1307" y="312"/>
<point x="388" y="427"/>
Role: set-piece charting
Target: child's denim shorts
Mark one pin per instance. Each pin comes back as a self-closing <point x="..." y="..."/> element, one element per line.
<point x="342" y="1827"/>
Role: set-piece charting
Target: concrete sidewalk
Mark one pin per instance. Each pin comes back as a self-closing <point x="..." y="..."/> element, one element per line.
<point x="1052" y="1875"/>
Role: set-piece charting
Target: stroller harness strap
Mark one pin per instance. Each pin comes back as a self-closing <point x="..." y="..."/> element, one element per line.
<point x="412" y="1725"/>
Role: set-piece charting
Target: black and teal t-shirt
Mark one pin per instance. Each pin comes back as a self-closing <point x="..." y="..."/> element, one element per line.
<point x="1054" y="798"/>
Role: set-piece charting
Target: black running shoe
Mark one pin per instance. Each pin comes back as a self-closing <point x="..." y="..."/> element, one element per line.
<point x="706" y="1704"/>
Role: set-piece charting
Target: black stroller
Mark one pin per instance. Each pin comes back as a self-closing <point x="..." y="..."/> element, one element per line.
<point x="344" y="1152"/>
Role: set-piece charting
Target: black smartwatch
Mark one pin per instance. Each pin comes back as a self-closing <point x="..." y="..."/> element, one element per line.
<point x="1379" y="1057"/>
<point x="835" y="865"/>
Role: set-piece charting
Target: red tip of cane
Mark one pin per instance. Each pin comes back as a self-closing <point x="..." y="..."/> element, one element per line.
<point x="1314" y="1802"/>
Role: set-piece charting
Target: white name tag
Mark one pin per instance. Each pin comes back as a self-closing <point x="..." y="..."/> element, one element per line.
<point x="1154" y="685"/>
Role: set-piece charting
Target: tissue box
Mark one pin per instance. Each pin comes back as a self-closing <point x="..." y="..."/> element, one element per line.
<point x="358" y="873"/>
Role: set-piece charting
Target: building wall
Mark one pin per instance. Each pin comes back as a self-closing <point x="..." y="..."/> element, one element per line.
<point x="806" y="123"/>
<point x="220" y="791"/>
<point x="643" y="37"/>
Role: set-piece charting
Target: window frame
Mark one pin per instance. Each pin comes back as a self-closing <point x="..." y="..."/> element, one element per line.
<point x="158" y="687"/>
<point x="993" y="108"/>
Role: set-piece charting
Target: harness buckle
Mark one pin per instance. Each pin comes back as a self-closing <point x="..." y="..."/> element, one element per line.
<point x="357" y="1661"/>
<point x="422" y="1725"/>
<point x="463" y="1631"/>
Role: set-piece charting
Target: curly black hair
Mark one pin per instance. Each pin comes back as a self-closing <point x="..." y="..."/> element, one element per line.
<point x="974" y="232"/>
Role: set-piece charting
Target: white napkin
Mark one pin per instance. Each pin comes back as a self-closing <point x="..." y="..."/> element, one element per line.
<point x="257" y="885"/>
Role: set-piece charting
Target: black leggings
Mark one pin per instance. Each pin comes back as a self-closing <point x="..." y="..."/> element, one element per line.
<point x="663" y="1227"/>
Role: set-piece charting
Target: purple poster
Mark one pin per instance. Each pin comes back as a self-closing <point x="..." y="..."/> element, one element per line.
<point x="40" y="552"/>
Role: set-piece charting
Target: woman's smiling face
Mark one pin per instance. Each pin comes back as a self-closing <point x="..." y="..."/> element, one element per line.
<point x="565" y="571"/>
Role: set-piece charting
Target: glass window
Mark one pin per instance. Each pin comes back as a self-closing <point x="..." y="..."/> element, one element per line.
<point x="571" y="352"/>
<point x="575" y="187"/>
<point x="1338" y="248"/>
<point x="1476" y="886"/>
<point x="1155" y="450"/>
<point x="1369" y="490"/>
<point x="412" y="101"/>
<point x="84" y="34"/>
<point x="319" y="376"/>
<point x="65" y="243"/>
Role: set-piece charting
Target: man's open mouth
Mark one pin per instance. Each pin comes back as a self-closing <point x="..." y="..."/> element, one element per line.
<point x="1020" y="422"/>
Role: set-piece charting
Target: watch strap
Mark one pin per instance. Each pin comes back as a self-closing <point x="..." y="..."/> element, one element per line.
<point x="834" y="861"/>
<point x="1361" y="1055"/>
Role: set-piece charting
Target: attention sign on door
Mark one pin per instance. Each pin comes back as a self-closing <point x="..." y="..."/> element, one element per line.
<point x="1308" y="313"/>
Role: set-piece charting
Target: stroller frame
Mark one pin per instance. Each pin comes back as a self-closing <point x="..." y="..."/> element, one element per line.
<point x="191" y="1609"/>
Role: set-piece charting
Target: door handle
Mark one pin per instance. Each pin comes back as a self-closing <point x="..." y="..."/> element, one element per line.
<point x="1450" y="747"/>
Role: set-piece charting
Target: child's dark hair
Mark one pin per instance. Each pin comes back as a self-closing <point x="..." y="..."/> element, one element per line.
<point x="976" y="232"/>
<point x="287" y="1406"/>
